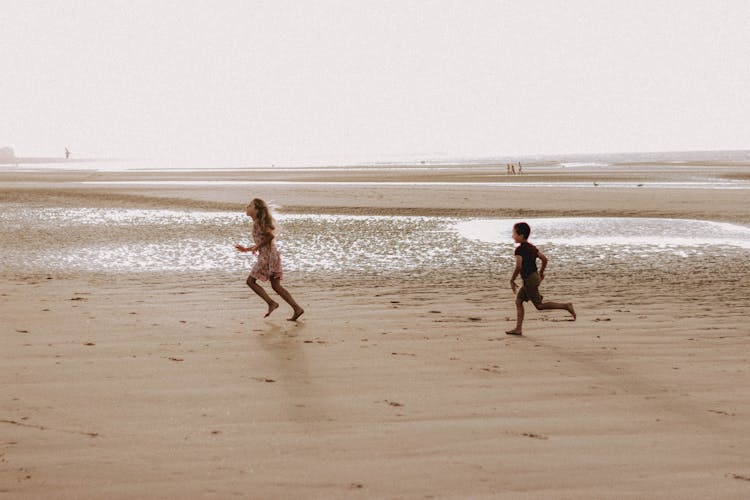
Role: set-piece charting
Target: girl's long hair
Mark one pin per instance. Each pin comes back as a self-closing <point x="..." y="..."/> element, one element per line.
<point x="263" y="217"/>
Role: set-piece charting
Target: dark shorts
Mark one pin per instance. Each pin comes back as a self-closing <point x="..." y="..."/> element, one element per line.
<point x="530" y="289"/>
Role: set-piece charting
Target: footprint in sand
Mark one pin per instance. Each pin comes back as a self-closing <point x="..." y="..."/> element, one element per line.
<point x="492" y="369"/>
<point x="532" y="435"/>
<point x="722" y="412"/>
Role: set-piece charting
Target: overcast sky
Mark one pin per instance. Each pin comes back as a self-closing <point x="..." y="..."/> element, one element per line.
<point x="274" y="81"/>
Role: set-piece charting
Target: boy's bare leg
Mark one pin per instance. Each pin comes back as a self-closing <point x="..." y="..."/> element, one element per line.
<point x="558" y="305"/>
<point x="272" y="305"/>
<point x="519" y="319"/>
<point x="276" y="284"/>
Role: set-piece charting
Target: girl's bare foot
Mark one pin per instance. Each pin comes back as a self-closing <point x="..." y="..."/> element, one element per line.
<point x="515" y="331"/>
<point x="297" y="313"/>
<point x="271" y="308"/>
<point x="571" y="310"/>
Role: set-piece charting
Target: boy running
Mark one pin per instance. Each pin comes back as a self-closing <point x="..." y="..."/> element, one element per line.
<point x="526" y="255"/>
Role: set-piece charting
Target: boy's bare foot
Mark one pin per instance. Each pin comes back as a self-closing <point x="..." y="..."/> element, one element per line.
<point x="514" y="332"/>
<point x="571" y="310"/>
<point x="297" y="314"/>
<point x="271" y="308"/>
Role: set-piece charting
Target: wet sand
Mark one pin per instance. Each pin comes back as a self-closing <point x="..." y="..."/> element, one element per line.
<point x="392" y="385"/>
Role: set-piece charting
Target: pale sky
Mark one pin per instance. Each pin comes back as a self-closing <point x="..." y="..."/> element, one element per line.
<point x="256" y="82"/>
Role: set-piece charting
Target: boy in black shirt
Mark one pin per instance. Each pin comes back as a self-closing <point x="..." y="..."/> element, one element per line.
<point x="526" y="255"/>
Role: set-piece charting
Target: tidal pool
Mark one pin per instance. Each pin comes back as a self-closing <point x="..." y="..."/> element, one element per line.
<point x="150" y="240"/>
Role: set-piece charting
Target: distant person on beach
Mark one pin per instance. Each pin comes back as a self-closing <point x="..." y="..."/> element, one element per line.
<point x="526" y="255"/>
<point x="520" y="168"/>
<point x="67" y="153"/>
<point x="268" y="263"/>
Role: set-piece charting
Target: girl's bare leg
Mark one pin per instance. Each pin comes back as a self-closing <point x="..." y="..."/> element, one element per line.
<point x="253" y="284"/>
<point x="519" y="319"/>
<point x="284" y="294"/>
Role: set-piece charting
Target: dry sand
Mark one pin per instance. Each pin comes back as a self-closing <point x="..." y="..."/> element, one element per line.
<point x="167" y="385"/>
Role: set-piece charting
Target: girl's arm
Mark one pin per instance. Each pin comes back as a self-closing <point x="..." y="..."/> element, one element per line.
<point x="267" y="239"/>
<point x="544" y="260"/>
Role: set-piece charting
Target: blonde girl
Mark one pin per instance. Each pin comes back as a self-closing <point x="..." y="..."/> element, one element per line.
<point x="268" y="263"/>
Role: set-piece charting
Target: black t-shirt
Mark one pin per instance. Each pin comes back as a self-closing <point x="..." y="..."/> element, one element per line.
<point x="528" y="253"/>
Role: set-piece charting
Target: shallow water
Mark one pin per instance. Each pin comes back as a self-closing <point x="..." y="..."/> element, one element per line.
<point x="625" y="234"/>
<point x="149" y="240"/>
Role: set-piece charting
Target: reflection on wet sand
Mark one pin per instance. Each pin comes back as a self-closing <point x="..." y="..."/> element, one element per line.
<point x="305" y="403"/>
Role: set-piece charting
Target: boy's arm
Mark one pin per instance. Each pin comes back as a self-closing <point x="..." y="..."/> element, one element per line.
<point x="544" y="260"/>
<point x="515" y="274"/>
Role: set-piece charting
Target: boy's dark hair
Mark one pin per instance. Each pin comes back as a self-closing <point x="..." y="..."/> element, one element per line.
<point x="522" y="229"/>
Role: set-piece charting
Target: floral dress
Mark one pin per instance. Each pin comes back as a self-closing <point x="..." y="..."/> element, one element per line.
<point x="268" y="263"/>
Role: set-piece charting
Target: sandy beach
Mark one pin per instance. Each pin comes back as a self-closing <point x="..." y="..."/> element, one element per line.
<point x="398" y="381"/>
